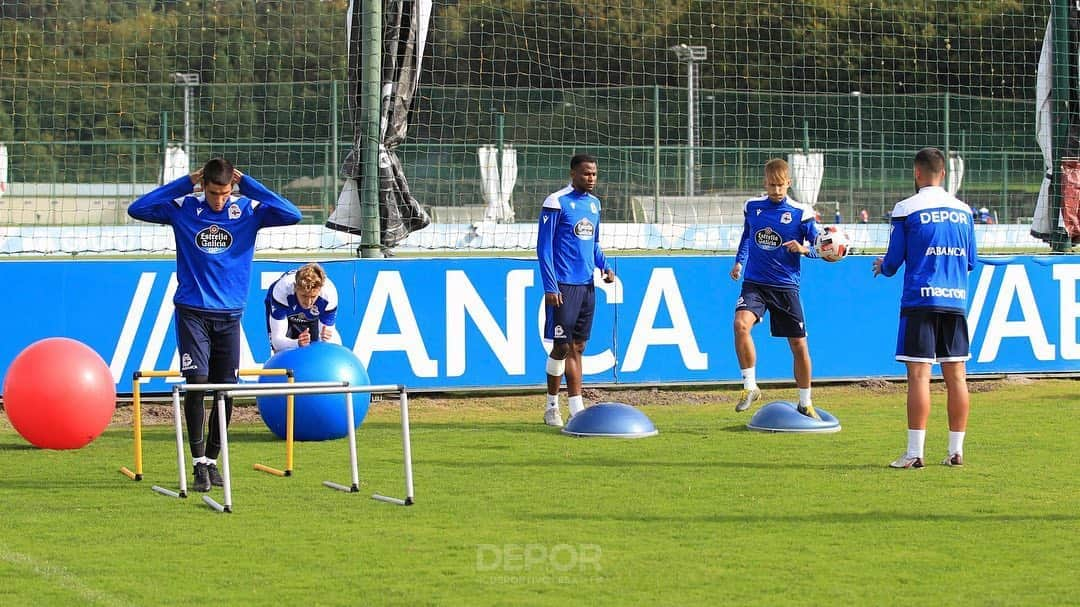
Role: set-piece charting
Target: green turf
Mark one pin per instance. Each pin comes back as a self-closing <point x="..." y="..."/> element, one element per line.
<point x="706" y="513"/>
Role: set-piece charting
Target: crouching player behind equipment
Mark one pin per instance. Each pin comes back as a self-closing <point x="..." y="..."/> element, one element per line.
<point x="301" y="307"/>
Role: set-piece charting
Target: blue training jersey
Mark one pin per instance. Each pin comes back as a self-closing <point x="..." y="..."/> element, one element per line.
<point x="568" y="243"/>
<point x="214" y="250"/>
<point x="766" y="226"/>
<point x="286" y="320"/>
<point x="282" y="302"/>
<point x="934" y="234"/>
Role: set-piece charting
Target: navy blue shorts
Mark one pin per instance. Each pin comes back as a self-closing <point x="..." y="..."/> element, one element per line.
<point x="572" y="321"/>
<point x="209" y="344"/>
<point x="783" y="305"/>
<point x="931" y="336"/>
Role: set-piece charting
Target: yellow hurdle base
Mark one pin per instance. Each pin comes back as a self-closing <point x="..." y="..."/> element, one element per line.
<point x="269" y="470"/>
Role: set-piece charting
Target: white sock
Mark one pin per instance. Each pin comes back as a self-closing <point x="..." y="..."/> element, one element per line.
<point x="553" y="401"/>
<point x="956" y="442"/>
<point x="576" y="406"/>
<point x="749" y="379"/>
<point x="915" y="441"/>
<point x="208" y="461"/>
<point x="200" y="460"/>
<point x="804" y="396"/>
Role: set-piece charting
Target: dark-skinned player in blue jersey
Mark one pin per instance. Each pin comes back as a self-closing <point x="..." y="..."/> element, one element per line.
<point x="775" y="231"/>
<point x="215" y="234"/>
<point x="568" y="249"/>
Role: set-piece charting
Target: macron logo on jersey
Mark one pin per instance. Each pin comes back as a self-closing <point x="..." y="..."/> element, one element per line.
<point x="951" y="293"/>
<point x="213" y="239"/>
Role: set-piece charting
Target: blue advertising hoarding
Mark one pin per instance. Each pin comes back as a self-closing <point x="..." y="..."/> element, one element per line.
<point x="438" y="324"/>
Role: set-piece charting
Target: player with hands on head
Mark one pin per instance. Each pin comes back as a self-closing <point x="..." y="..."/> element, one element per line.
<point x="773" y="243"/>
<point x="215" y="232"/>
<point x="568" y="250"/>
<point x="301" y="307"/>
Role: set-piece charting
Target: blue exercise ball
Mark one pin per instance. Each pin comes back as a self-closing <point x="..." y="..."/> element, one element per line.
<point x="316" y="417"/>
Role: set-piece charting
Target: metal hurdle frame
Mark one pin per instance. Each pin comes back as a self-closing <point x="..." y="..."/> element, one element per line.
<point x="136" y="403"/>
<point x="301" y="389"/>
<point x="221" y="390"/>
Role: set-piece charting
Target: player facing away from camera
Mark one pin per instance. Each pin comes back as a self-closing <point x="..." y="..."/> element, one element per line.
<point x="568" y="249"/>
<point x="215" y="234"/>
<point x="775" y="232"/>
<point x="301" y="307"/>
<point x="932" y="235"/>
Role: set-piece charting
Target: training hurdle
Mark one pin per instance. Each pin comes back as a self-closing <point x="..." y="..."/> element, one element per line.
<point x="136" y="404"/>
<point x="297" y="389"/>
<point x="220" y="390"/>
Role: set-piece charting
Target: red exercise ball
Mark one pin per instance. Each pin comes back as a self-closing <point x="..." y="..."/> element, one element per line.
<point x="59" y="394"/>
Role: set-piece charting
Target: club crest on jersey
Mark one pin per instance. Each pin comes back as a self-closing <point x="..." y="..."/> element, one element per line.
<point x="767" y="239"/>
<point x="234" y="211"/>
<point x="213" y="239"/>
<point x="584" y="229"/>
<point x="785" y="218"/>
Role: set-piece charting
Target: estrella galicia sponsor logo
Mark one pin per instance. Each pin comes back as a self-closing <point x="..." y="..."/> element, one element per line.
<point x="584" y="229"/>
<point x="213" y="239"/>
<point x="767" y="239"/>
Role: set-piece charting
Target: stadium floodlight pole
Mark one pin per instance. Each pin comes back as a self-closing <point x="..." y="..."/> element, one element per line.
<point x="689" y="54"/>
<point x="858" y="104"/>
<point x="188" y="80"/>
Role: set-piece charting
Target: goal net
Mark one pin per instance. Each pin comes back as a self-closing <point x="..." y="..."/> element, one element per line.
<point x="682" y="102"/>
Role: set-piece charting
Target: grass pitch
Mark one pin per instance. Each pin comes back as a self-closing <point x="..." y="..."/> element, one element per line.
<point x="511" y="512"/>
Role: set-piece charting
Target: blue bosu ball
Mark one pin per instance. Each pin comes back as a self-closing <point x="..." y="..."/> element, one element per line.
<point x="783" y="416"/>
<point x="316" y="417"/>
<point x="611" y="420"/>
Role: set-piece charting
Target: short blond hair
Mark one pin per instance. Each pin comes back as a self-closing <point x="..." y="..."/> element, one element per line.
<point x="310" y="277"/>
<point x="777" y="167"/>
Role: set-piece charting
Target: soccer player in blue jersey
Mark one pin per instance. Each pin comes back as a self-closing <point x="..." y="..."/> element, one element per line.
<point x="215" y="234"/>
<point x="775" y="230"/>
<point x="301" y="307"/>
<point x="568" y="248"/>
<point x="933" y="237"/>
